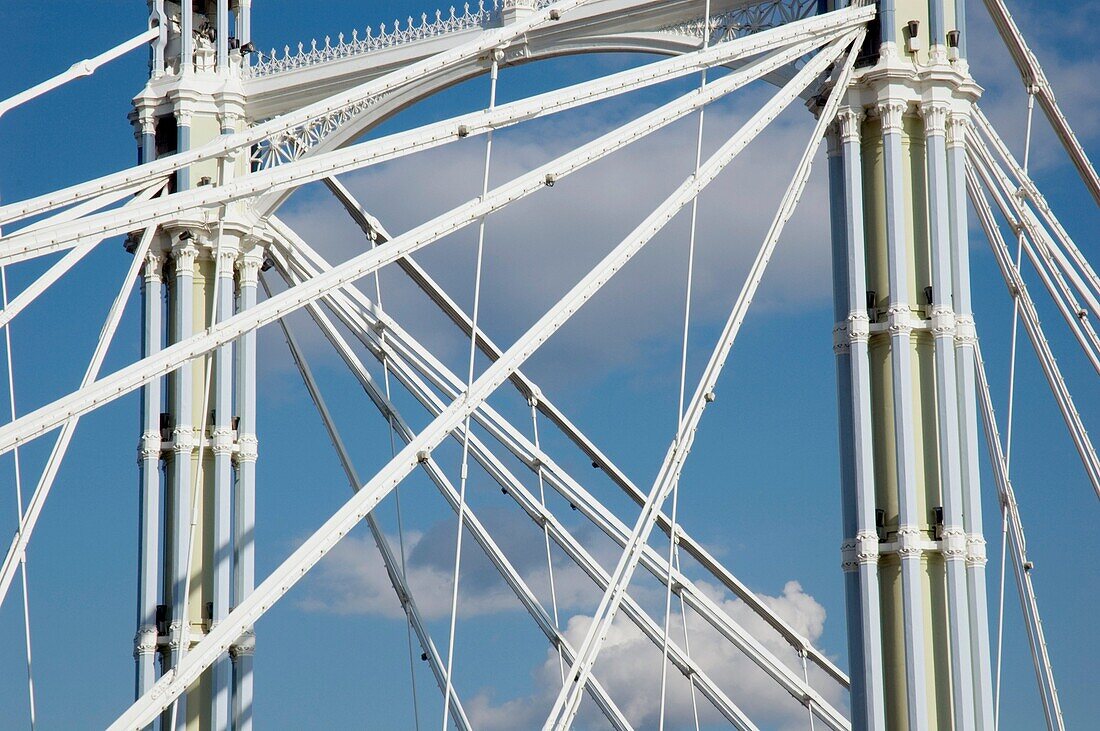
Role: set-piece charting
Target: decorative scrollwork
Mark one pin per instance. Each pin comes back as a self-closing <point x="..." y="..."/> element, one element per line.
<point x="747" y="20"/>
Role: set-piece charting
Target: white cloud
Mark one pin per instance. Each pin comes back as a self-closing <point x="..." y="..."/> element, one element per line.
<point x="539" y="247"/>
<point x="629" y="669"/>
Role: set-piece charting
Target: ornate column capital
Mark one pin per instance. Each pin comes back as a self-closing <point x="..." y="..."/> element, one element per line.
<point x="958" y="127"/>
<point x="890" y="113"/>
<point x="154" y="267"/>
<point x="248" y="267"/>
<point x="975" y="550"/>
<point x="145" y="641"/>
<point x="849" y="121"/>
<point x="935" y="118"/>
<point x="965" y="332"/>
<point x="184" y="253"/>
<point x="225" y="258"/>
<point x="183" y="117"/>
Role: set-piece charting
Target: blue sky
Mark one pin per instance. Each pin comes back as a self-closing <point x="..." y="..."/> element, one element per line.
<point x="761" y="489"/>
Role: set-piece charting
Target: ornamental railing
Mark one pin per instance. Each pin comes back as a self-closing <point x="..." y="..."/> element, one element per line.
<point x="733" y="24"/>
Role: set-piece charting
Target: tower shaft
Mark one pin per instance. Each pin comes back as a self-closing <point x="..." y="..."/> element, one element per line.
<point x="196" y="550"/>
<point x="913" y="549"/>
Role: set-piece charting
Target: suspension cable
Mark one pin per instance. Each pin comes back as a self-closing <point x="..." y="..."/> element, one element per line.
<point x="672" y="532"/>
<point x="1009" y="423"/>
<point x="493" y="73"/>
<point x="534" y="403"/>
<point x="19" y="503"/>
<point x="397" y="489"/>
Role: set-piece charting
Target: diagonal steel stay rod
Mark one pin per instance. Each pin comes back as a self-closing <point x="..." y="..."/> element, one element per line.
<point x="1026" y="220"/>
<point x="218" y="640"/>
<point x="227" y="144"/>
<point x="1030" y="317"/>
<point x="365" y="320"/>
<point x="530" y="454"/>
<point x="86" y="67"/>
<point x="543" y="517"/>
<point x="1037" y="248"/>
<point x="821" y="28"/>
<point x="389" y="560"/>
<point x="1029" y="189"/>
<point x="1044" y="672"/>
<point x="510" y="575"/>
<point x="1036" y="80"/>
<point x="565" y="707"/>
<point x="67" y="262"/>
<point x="164" y="361"/>
<point x="19" y="542"/>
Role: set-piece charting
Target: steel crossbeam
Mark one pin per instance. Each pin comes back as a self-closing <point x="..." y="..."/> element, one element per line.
<point x="78" y="70"/>
<point x="22" y="245"/>
<point x="484" y="539"/>
<point x="565" y="707"/>
<point x="83" y="247"/>
<point x="22" y="537"/>
<point x="363" y="318"/>
<point x="404" y="350"/>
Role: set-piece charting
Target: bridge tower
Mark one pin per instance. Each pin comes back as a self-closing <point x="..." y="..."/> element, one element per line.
<point x="914" y="555"/>
<point x="198" y="444"/>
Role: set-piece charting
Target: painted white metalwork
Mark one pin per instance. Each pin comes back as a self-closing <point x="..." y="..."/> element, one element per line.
<point x="263" y="162"/>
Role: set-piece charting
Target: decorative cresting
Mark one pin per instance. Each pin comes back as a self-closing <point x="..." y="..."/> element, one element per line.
<point x="746" y="20"/>
<point x="441" y="25"/>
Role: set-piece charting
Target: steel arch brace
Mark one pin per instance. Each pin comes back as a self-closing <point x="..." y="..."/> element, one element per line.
<point x="815" y="30"/>
<point x="227" y="144"/>
<point x="123" y="381"/>
<point x="565" y="707"/>
<point x="22" y="245"/>
<point x="400" y="350"/>
<point x="526" y="451"/>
